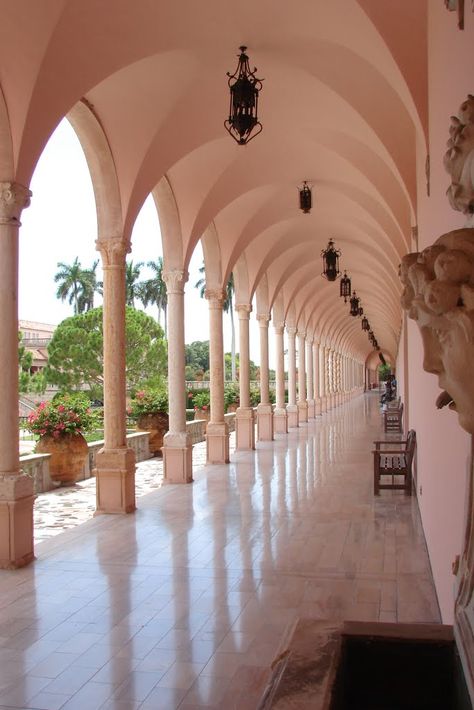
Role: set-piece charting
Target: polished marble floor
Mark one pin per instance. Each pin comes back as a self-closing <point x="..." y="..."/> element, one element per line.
<point x="186" y="603"/>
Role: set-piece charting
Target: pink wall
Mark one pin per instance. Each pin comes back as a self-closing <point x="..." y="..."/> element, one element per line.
<point x="443" y="447"/>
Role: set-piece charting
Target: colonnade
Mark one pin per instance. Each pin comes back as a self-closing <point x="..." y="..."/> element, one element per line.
<point x="323" y="379"/>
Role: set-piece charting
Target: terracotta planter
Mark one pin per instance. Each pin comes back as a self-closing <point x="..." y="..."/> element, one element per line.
<point x="68" y="455"/>
<point x="232" y="407"/>
<point x="157" y="424"/>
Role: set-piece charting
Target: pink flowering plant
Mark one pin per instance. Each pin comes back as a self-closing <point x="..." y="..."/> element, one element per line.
<point x="65" y="414"/>
<point x="202" y="400"/>
<point x="149" y="400"/>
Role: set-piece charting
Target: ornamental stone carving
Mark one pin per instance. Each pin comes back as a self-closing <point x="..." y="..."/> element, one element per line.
<point x="215" y="296"/>
<point x="113" y="251"/>
<point x="13" y="199"/>
<point x="459" y="160"/>
<point x="175" y="280"/>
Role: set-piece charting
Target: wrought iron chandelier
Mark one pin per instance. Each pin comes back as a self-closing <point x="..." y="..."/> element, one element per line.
<point x="345" y="287"/>
<point x="365" y="324"/>
<point x="330" y="257"/>
<point x="243" y="111"/>
<point x="355" y="300"/>
<point x="306" y="198"/>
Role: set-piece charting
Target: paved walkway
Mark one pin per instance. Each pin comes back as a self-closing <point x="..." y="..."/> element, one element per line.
<point x="186" y="603"/>
<point x="63" y="508"/>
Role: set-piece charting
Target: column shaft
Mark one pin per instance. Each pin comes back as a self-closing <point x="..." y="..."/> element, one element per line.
<point x="316" y="378"/>
<point x="177" y="447"/>
<point x="244" y="418"/>
<point x="292" y="408"/>
<point x="280" y="422"/>
<point x="217" y="432"/>
<point x="16" y="489"/>
<point x="302" y="400"/>
<point x="115" y="463"/>
<point x="309" y="376"/>
<point x="264" y="409"/>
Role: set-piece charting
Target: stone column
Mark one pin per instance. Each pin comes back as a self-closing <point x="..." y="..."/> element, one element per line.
<point x="177" y="447"/>
<point x="16" y="488"/>
<point x="264" y="409"/>
<point x="309" y="375"/>
<point x="217" y="432"/>
<point x="302" y="400"/>
<point x="244" y="419"/>
<point x="316" y="378"/>
<point x="292" y="408"/>
<point x="115" y="463"/>
<point x="280" y="419"/>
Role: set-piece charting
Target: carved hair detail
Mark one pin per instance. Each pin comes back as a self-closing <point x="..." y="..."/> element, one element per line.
<point x="459" y="158"/>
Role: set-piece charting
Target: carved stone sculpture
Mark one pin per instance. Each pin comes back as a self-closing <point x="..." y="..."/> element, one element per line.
<point x="459" y="160"/>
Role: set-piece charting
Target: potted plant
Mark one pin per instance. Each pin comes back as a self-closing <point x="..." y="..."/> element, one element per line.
<point x="231" y="397"/>
<point x="60" y="425"/>
<point x="202" y="405"/>
<point x="149" y="406"/>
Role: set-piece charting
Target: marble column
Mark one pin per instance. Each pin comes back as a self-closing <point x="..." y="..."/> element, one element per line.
<point x="316" y="378"/>
<point x="302" y="398"/>
<point x="280" y="419"/>
<point x="264" y="409"/>
<point x="115" y="463"/>
<point x="244" y="417"/>
<point x="310" y="380"/>
<point x="177" y="446"/>
<point x="292" y="407"/>
<point x="217" y="432"/>
<point x="322" y="377"/>
<point x="16" y="488"/>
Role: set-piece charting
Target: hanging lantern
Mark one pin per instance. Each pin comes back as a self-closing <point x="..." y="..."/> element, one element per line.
<point x="306" y="198"/>
<point x="345" y="287"/>
<point x="375" y="344"/>
<point x="361" y="311"/>
<point x="243" y="112"/>
<point x="330" y="257"/>
<point x="365" y="324"/>
<point x="354" y="311"/>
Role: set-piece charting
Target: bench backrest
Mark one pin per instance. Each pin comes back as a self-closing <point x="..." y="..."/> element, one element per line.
<point x="410" y="447"/>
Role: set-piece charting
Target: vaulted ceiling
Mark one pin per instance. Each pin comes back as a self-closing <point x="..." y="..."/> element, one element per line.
<point x="343" y="106"/>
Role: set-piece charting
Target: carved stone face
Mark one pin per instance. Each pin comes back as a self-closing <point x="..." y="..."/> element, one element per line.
<point x="439" y="295"/>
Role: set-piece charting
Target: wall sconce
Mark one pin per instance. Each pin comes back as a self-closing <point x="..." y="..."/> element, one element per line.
<point x="306" y="198"/>
<point x="345" y="287"/>
<point x="330" y="257"/>
<point x="243" y="111"/>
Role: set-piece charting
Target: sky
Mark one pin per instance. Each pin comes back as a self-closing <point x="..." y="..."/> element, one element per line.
<point x="61" y="224"/>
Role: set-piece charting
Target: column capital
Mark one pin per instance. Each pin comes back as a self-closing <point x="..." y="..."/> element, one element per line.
<point x="278" y="328"/>
<point x="13" y="199"/>
<point x="301" y="334"/>
<point x="216" y="297"/>
<point x="113" y="250"/>
<point x="175" y="280"/>
<point x="291" y="330"/>
<point x="244" y="310"/>
<point x="263" y="319"/>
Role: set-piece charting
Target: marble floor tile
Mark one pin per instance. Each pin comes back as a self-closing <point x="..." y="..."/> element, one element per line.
<point x="186" y="603"/>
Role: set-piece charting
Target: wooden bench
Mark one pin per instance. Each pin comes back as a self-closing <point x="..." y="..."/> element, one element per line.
<point x="392" y="419"/>
<point x="394" y="463"/>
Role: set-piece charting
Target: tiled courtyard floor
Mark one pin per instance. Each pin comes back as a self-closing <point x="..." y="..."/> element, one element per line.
<point x="185" y="603"/>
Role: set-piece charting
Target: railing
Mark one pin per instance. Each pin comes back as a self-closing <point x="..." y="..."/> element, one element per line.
<point x="205" y="384"/>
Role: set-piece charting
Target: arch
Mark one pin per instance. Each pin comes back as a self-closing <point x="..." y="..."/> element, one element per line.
<point x="7" y="168"/>
<point x="170" y="224"/>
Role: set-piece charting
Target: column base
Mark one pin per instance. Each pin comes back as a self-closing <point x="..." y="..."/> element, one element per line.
<point x="265" y="422"/>
<point x="16" y="520"/>
<point x="292" y="413"/>
<point x="244" y="429"/>
<point x="217" y="442"/>
<point x="311" y="408"/>
<point x="317" y="406"/>
<point x="280" y="421"/>
<point x="115" y="481"/>
<point x="177" y="458"/>
<point x="302" y="411"/>
<point x="323" y="405"/>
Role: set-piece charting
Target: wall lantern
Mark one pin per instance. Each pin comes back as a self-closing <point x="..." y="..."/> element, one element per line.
<point x="345" y="287"/>
<point x="330" y="257"/>
<point x="354" y="305"/>
<point x="306" y="198"/>
<point x="243" y="111"/>
<point x="365" y="324"/>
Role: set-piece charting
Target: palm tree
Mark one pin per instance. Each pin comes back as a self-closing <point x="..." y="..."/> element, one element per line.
<point x="70" y="279"/>
<point x="228" y="307"/>
<point x="89" y="287"/>
<point x="153" y="291"/>
<point x="132" y="284"/>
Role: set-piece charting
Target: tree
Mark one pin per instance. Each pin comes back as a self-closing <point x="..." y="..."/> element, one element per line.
<point x="132" y="283"/>
<point x="153" y="291"/>
<point x="75" y="353"/>
<point x="69" y="278"/>
<point x="228" y="307"/>
<point x="197" y="357"/>
<point x="28" y="382"/>
<point x="89" y="287"/>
